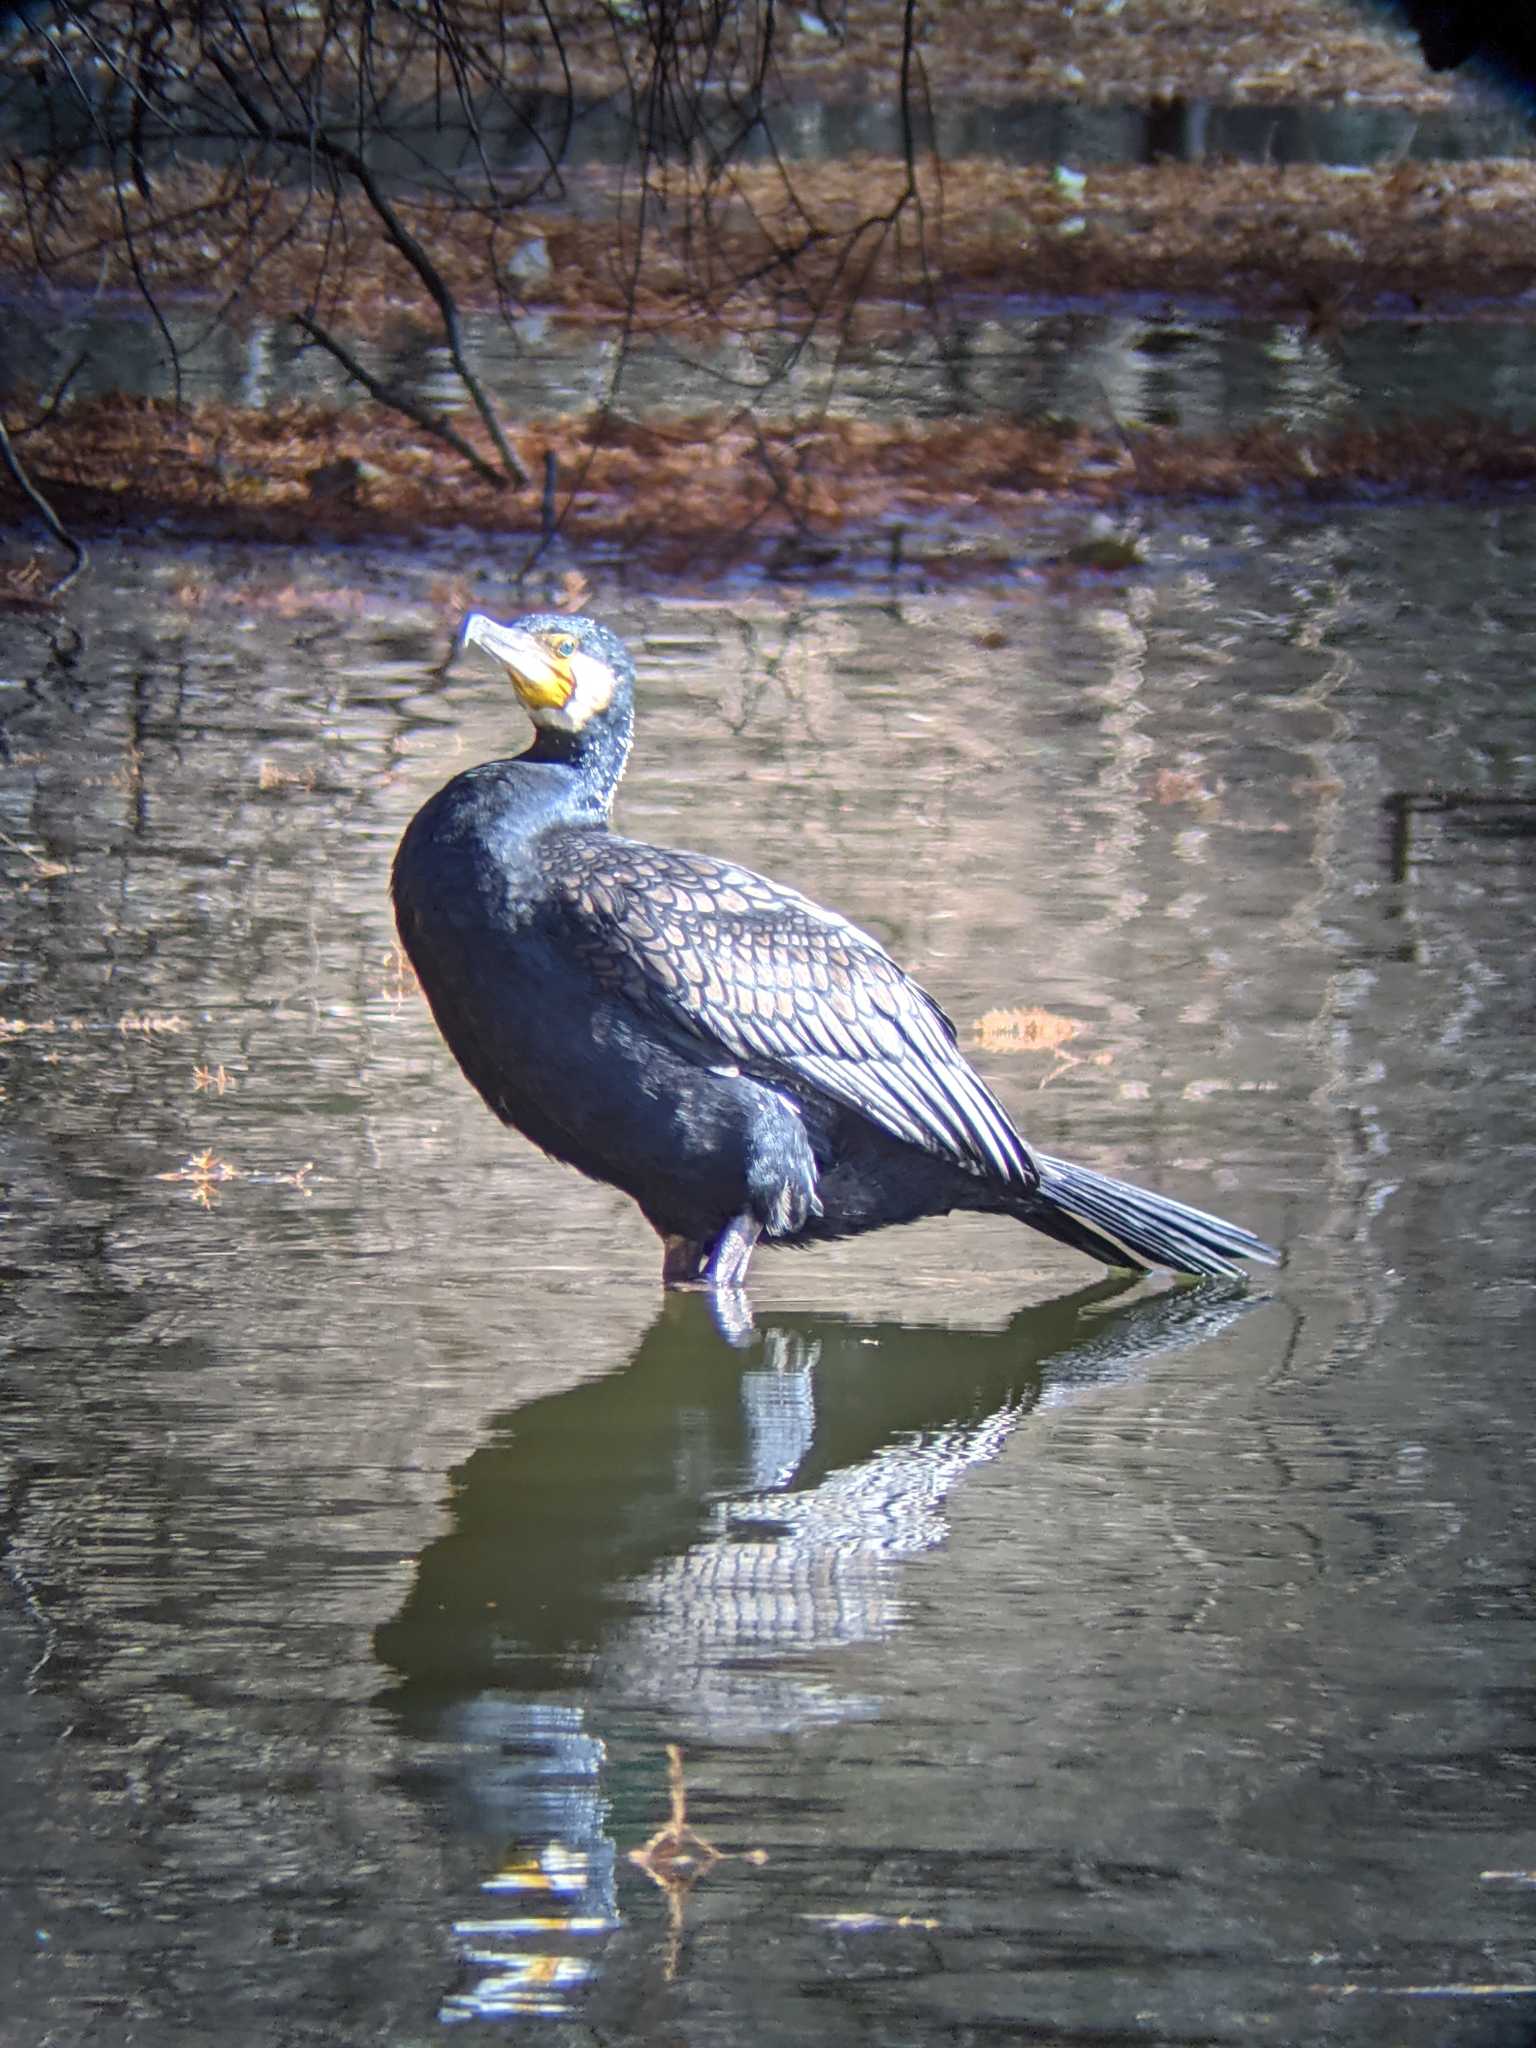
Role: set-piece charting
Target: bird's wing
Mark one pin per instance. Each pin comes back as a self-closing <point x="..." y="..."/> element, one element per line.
<point x="775" y="981"/>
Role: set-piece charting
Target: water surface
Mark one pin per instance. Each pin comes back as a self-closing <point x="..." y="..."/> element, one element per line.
<point x="1044" y="1661"/>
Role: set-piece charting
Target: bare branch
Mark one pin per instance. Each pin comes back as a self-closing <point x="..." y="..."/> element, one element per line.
<point x="226" y="150"/>
<point x="345" y="158"/>
<point x="56" y="396"/>
<point x="448" y="312"/>
<point x="401" y="401"/>
<point x="45" y="512"/>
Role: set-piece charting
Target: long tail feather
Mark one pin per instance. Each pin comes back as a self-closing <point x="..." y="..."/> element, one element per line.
<point x="1130" y="1226"/>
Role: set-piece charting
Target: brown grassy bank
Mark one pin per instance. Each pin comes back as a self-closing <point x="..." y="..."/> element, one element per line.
<point x="755" y="249"/>
<point x="307" y="472"/>
<point x="767" y="251"/>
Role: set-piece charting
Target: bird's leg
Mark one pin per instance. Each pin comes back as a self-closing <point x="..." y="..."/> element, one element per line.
<point x="731" y="1253"/>
<point x="682" y="1261"/>
<point x="719" y="1264"/>
<point x="682" y="1271"/>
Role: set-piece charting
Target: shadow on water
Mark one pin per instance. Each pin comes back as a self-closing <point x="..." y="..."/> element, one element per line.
<point x="674" y="1549"/>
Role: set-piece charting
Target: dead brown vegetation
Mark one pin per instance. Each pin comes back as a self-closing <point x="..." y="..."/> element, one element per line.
<point x="224" y="470"/>
<point x="700" y="238"/>
<point x="781" y="254"/>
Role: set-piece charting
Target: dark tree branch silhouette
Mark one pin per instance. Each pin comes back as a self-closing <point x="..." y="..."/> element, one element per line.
<point x="351" y="164"/>
<point x="40" y="505"/>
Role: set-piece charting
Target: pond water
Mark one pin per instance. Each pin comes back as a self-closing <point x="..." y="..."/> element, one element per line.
<point x="1201" y="371"/>
<point x="387" y="1563"/>
<point x="429" y="143"/>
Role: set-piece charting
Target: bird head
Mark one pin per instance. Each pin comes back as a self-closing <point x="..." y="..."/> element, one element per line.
<point x="566" y="670"/>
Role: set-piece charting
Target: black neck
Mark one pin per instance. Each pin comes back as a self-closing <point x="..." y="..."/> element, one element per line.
<point x="596" y="754"/>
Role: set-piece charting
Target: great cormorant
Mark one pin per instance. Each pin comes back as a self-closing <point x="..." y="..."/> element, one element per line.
<point x="738" y="1060"/>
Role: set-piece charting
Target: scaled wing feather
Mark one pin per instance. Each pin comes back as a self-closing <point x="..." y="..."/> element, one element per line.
<point x="770" y="978"/>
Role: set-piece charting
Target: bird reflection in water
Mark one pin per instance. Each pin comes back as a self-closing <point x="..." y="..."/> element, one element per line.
<point x="675" y="1550"/>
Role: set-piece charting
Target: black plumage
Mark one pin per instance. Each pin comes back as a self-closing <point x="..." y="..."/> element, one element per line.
<point x="737" y="1059"/>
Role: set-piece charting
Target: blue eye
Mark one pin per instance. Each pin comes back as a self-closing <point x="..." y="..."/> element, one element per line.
<point x="564" y="649"/>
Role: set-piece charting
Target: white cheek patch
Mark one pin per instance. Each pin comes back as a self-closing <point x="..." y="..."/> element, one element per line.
<point x="593" y="692"/>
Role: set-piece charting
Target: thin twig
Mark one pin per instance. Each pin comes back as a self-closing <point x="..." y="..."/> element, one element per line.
<point x="401" y="401"/>
<point x="46" y="513"/>
<point x="447" y="308"/>
<point x="343" y="158"/>
<point x="56" y="398"/>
